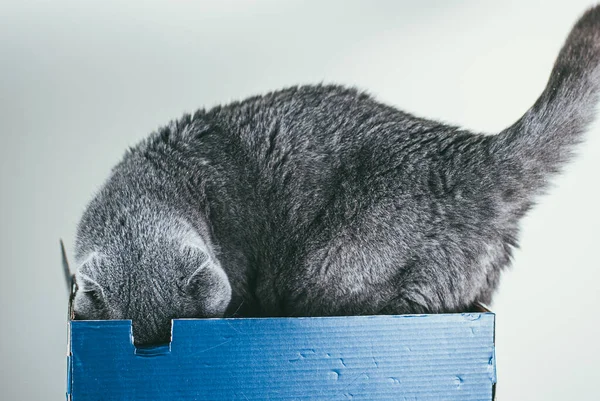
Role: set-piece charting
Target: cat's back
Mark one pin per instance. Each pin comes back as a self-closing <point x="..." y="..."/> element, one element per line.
<point x="309" y="116"/>
<point x="312" y="132"/>
<point x="309" y="123"/>
<point x="297" y="142"/>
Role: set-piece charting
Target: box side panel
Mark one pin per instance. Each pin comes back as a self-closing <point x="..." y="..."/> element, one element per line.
<point x="429" y="357"/>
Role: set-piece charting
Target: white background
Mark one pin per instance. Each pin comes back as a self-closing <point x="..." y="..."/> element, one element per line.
<point x="81" y="81"/>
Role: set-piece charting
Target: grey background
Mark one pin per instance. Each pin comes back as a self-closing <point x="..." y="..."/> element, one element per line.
<point x="81" y="81"/>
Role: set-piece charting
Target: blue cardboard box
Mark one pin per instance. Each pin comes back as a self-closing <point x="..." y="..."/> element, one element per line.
<point x="409" y="357"/>
<point x="429" y="357"/>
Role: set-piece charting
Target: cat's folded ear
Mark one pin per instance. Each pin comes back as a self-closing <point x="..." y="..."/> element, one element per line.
<point x="86" y="284"/>
<point x="90" y="300"/>
<point x="207" y="286"/>
<point x="86" y="271"/>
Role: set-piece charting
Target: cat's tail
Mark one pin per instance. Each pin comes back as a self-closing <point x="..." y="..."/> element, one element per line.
<point x="541" y="141"/>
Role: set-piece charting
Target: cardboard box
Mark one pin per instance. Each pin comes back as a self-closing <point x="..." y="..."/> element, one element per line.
<point x="424" y="357"/>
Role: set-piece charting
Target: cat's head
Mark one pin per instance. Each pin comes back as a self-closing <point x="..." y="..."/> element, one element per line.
<point x="149" y="272"/>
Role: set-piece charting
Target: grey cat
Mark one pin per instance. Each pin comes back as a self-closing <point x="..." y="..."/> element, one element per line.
<point x="319" y="200"/>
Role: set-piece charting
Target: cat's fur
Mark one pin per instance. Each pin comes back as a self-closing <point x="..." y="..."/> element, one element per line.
<point x="319" y="200"/>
